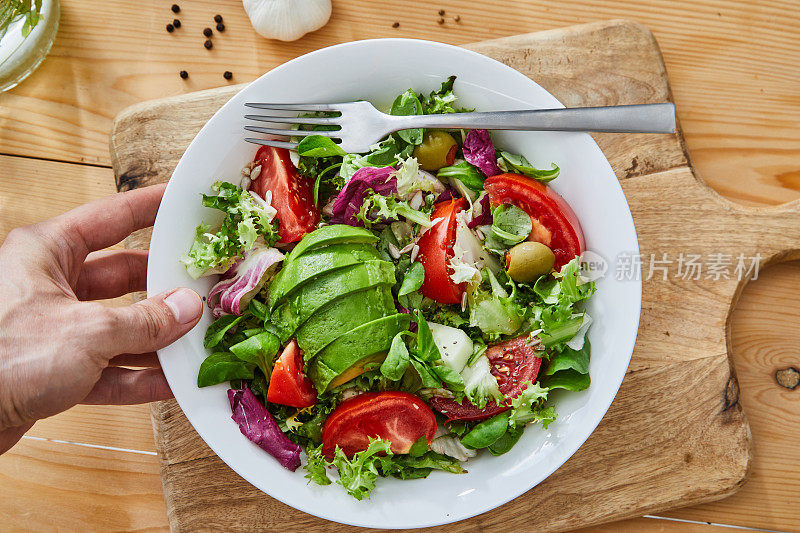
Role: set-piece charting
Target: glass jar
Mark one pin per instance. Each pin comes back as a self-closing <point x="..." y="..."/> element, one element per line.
<point x="21" y="54"/>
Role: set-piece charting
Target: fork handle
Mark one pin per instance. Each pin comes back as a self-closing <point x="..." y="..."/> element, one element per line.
<point x="642" y="118"/>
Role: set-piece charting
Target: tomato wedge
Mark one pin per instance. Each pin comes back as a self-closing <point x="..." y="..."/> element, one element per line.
<point x="435" y="252"/>
<point x="288" y="385"/>
<point x="399" y="417"/>
<point x="554" y="222"/>
<point x="292" y="195"/>
<point x="513" y="363"/>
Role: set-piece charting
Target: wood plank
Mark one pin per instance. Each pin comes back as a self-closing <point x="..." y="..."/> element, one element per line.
<point x="765" y="338"/>
<point x="32" y="190"/>
<point x="728" y="60"/>
<point x="48" y="485"/>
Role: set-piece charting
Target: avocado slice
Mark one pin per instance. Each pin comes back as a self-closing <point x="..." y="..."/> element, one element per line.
<point x="301" y="304"/>
<point x="342" y="315"/>
<point x="315" y="263"/>
<point x="349" y="349"/>
<point x="333" y="234"/>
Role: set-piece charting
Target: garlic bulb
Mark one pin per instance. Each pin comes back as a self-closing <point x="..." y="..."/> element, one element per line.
<point x="287" y="20"/>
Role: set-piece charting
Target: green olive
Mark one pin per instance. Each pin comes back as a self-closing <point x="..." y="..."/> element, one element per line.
<point x="528" y="260"/>
<point x="438" y="149"/>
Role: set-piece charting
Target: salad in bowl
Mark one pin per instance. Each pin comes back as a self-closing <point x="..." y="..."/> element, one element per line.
<point x="392" y="313"/>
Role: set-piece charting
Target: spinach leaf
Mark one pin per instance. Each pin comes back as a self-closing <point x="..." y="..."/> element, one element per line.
<point x="219" y="328"/>
<point x="569" y="380"/>
<point x="221" y="367"/>
<point x="408" y="104"/>
<point x="449" y="377"/>
<point x="413" y="280"/>
<point x="428" y="379"/>
<point x="318" y="146"/>
<point x="259" y="349"/>
<point x="426" y="349"/>
<point x="487" y="432"/>
<point x="411" y="467"/>
<point x="468" y="174"/>
<point x="397" y="360"/>
<point x="258" y="310"/>
<point x="507" y="441"/>
<point x="569" y="359"/>
<point x="521" y="165"/>
<point x="510" y="224"/>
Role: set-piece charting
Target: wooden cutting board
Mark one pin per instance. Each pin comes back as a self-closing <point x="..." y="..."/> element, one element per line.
<point x="675" y="434"/>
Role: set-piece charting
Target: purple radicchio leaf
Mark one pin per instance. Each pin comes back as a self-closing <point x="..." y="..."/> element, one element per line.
<point x="350" y="199"/>
<point x="448" y="194"/>
<point x="479" y="151"/>
<point x="242" y="281"/>
<point x="485" y="218"/>
<point x="258" y="425"/>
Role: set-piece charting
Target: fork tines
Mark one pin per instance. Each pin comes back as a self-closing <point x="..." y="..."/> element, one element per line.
<point x="312" y="121"/>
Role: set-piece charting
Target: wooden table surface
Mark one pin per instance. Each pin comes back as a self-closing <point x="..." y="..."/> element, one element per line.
<point x="733" y="68"/>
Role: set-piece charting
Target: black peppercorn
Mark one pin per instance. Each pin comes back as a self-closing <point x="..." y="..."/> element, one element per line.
<point x="176" y="8"/>
<point x="440" y="21"/>
<point x="207" y="32"/>
<point x="184" y="74"/>
<point x="176" y="23"/>
<point x="441" y="12"/>
<point x="170" y="28"/>
<point x="457" y="18"/>
<point x="208" y="44"/>
<point x="227" y="74"/>
<point x="217" y="18"/>
<point x="396" y="25"/>
<point x="220" y="27"/>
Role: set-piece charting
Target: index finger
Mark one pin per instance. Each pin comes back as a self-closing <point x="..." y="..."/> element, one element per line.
<point x="107" y="221"/>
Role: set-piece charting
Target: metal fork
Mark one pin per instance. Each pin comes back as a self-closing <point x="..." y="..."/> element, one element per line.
<point x="361" y="125"/>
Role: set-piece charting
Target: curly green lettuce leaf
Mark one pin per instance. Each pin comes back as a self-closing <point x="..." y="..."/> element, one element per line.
<point x="247" y="217"/>
<point x="316" y="466"/>
<point x="359" y="474"/>
<point x="379" y="208"/>
<point x="528" y="407"/>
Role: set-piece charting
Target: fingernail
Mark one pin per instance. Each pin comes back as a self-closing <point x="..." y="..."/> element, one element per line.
<point x="185" y="304"/>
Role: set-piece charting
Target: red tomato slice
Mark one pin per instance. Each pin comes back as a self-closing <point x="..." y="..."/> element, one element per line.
<point x="288" y="385"/>
<point x="398" y="417"/>
<point x="435" y="252"/>
<point x="513" y="363"/>
<point x="292" y="195"/>
<point x="554" y="222"/>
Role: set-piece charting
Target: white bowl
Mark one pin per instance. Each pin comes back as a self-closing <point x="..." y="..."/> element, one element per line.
<point x="377" y="70"/>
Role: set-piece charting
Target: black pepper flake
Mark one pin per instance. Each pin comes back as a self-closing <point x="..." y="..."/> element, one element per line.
<point x="220" y="27"/>
<point x="184" y="74"/>
<point x="457" y="18"/>
<point x="227" y="74"/>
<point x="207" y="32"/>
<point x="176" y="23"/>
<point x="217" y="18"/>
<point x="396" y="25"/>
<point x="441" y="12"/>
<point x="170" y="28"/>
<point x="208" y="44"/>
<point x="176" y="8"/>
<point x="440" y="21"/>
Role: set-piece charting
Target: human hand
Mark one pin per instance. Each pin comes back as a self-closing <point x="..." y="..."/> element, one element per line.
<point x="59" y="347"/>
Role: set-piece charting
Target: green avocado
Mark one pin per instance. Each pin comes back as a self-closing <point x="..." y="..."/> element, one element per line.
<point x="334" y="234"/>
<point x="314" y="263"/>
<point x="301" y="304"/>
<point x="342" y="315"/>
<point x="349" y="349"/>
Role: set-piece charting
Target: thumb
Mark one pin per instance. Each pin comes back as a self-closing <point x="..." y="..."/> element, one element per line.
<point x="154" y="323"/>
